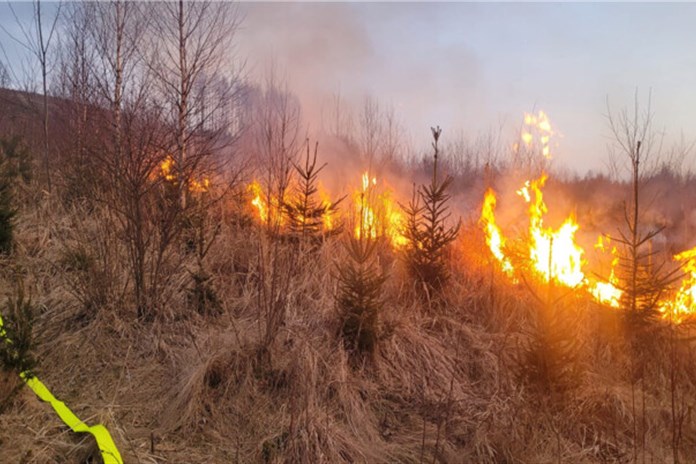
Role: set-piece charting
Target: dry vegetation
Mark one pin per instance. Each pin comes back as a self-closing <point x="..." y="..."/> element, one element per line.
<point x="179" y="284"/>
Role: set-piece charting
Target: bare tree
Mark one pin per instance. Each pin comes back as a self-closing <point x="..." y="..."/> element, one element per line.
<point x="75" y="83"/>
<point x="192" y="52"/>
<point x="393" y="136"/>
<point x="371" y="131"/>
<point x="275" y="145"/>
<point x="640" y="150"/>
<point x="341" y="119"/>
<point x="36" y="38"/>
<point x="642" y="278"/>
<point x="128" y="165"/>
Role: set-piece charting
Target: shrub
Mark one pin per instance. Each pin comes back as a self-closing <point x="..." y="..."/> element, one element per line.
<point x="16" y="340"/>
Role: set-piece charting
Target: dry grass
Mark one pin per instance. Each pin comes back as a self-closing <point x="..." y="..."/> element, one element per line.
<point x="443" y="385"/>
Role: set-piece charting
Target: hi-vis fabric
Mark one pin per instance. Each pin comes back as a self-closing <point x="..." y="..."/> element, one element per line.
<point x="108" y="449"/>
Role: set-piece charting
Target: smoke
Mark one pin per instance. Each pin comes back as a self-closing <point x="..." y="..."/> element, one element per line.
<point x="356" y="51"/>
<point x="432" y="71"/>
<point x="316" y="50"/>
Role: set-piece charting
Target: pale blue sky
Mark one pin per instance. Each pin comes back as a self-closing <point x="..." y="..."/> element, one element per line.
<point x="474" y="66"/>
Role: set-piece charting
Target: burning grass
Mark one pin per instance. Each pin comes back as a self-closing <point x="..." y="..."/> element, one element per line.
<point x="445" y="383"/>
<point x="554" y="255"/>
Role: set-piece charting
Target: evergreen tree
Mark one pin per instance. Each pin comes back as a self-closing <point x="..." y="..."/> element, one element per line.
<point x="426" y="229"/>
<point x="359" y="300"/>
<point x="641" y="279"/>
<point x="305" y="212"/>
<point x="16" y="339"/>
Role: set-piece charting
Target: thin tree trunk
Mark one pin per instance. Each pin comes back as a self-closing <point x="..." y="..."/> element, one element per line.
<point x="42" y="59"/>
<point x="182" y="107"/>
<point x="634" y="233"/>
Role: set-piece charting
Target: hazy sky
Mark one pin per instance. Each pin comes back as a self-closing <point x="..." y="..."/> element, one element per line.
<point x="475" y="66"/>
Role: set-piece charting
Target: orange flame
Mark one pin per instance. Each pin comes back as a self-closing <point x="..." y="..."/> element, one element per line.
<point x="607" y="292"/>
<point x="269" y="211"/>
<point x="554" y="253"/>
<point x="537" y="126"/>
<point x="199" y="186"/>
<point x="367" y="222"/>
<point x="494" y="237"/>
<point x="258" y="201"/>
<point x="378" y="215"/>
<point x="555" y="256"/>
<point x="683" y="305"/>
<point x="168" y="173"/>
<point x="328" y="219"/>
<point x="166" y="168"/>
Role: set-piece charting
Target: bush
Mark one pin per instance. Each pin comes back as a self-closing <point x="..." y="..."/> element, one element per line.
<point x="16" y="340"/>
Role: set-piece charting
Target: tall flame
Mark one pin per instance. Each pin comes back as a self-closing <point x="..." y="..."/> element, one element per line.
<point x="683" y="305"/>
<point x="555" y="256"/>
<point x="494" y="237"/>
<point x="607" y="292"/>
<point x="328" y="219"/>
<point x="554" y="253"/>
<point x="258" y="201"/>
<point x="367" y="222"/>
<point x="378" y="215"/>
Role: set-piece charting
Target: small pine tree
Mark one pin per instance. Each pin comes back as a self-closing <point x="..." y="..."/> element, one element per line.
<point x="549" y="361"/>
<point x="16" y="339"/>
<point x="641" y="280"/>
<point x="306" y="215"/>
<point x="426" y="229"/>
<point x="16" y="159"/>
<point x="359" y="299"/>
<point x="16" y="332"/>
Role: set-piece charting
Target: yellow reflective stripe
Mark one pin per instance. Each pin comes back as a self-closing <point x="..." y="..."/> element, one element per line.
<point x="106" y="445"/>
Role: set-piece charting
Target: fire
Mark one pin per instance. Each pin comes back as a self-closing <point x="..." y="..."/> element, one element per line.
<point x="378" y="215"/>
<point x="395" y="223"/>
<point x="166" y="168"/>
<point x="199" y="186"/>
<point x="269" y="210"/>
<point x="537" y="126"/>
<point x="494" y="237"/>
<point x="607" y="292"/>
<point x="367" y="223"/>
<point x="556" y="257"/>
<point x="554" y="253"/>
<point x="328" y="220"/>
<point x="683" y="305"/>
<point x="258" y="201"/>
<point x="168" y="173"/>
